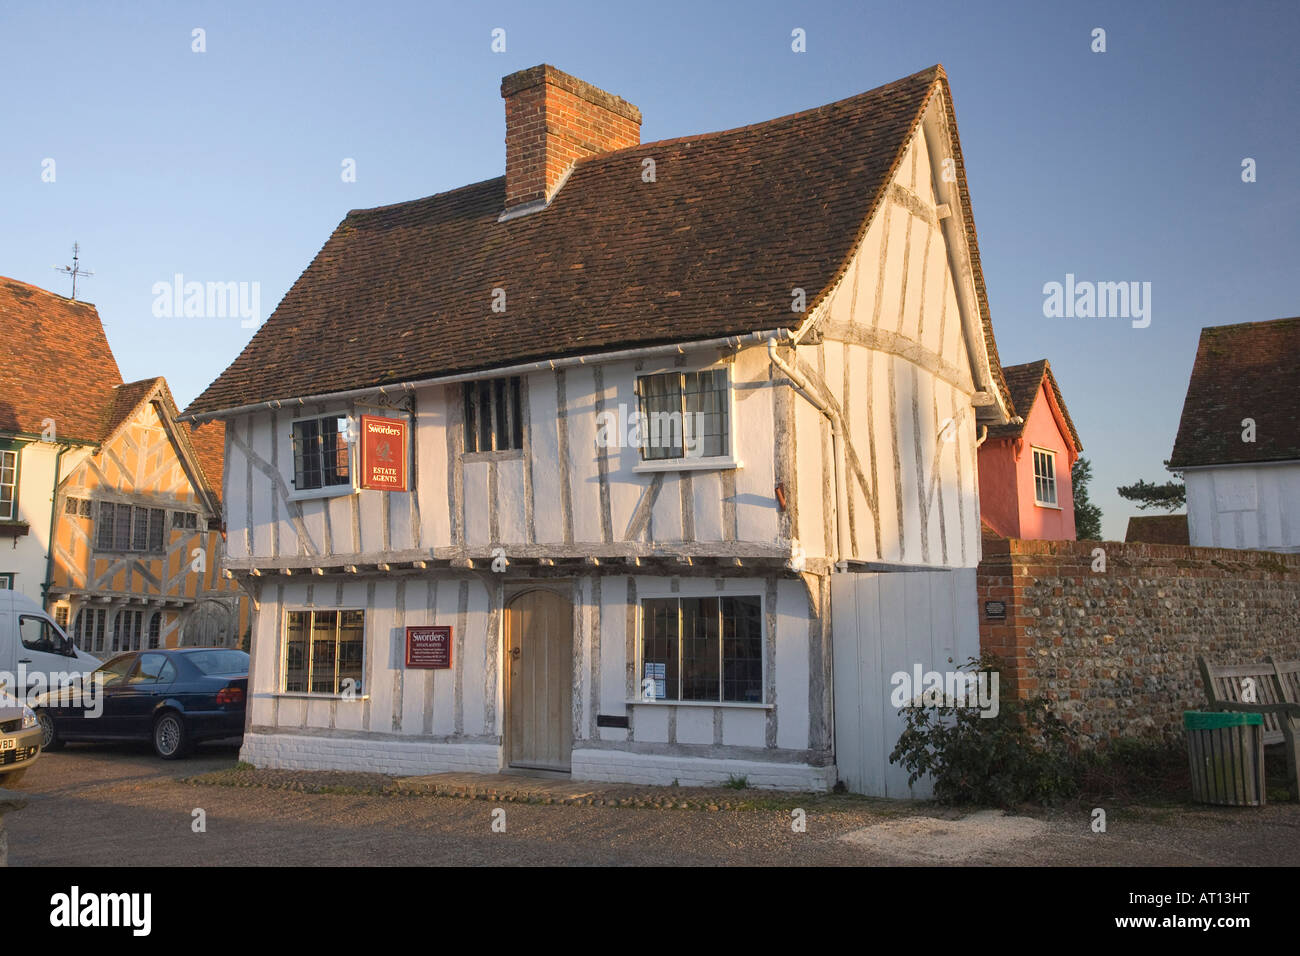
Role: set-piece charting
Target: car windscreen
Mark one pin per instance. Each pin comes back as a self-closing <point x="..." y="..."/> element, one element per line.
<point x="219" y="662"/>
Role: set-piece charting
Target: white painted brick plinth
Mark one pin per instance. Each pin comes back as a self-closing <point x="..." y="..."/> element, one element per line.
<point x="613" y="766"/>
<point x="396" y="757"/>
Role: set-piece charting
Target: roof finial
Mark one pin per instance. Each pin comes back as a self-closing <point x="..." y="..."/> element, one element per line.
<point x="75" y="269"/>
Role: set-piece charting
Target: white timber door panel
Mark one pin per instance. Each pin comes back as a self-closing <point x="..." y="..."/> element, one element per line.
<point x="885" y="623"/>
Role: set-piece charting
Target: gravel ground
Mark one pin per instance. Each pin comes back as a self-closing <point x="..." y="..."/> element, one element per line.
<point x="108" y="805"/>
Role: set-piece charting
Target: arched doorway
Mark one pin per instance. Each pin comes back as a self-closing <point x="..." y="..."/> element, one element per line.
<point x="210" y="624"/>
<point x="539" y="680"/>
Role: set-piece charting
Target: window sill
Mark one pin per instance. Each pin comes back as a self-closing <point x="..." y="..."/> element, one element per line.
<point x="14" y="529"/>
<point x="304" y="695"/>
<point x="688" y="464"/>
<point x="1039" y="504"/>
<point x="331" y="491"/>
<point x="733" y="704"/>
<point x="504" y="454"/>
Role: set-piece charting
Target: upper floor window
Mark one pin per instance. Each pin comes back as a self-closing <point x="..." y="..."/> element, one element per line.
<point x="1044" y="477"/>
<point x="685" y="415"/>
<point x="129" y="528"/>
<point x="493" y="415"/>
<point x="185" y="519"/>
<point x="320" y="453"/>
<point x="8" y="485"/>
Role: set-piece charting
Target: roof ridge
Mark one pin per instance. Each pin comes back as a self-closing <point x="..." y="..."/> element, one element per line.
<point x="45" y="291"/>
<point x="936" y="69"/>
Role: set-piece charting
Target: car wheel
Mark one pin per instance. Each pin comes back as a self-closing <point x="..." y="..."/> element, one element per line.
<point x="50" y="739"/>
<point x="169" y="738"/>
<point x="12" y="777"/>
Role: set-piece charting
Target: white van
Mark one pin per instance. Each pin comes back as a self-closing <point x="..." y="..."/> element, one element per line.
<point x="33" y="649"/>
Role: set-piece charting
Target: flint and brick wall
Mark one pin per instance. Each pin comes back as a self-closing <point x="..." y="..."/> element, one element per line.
<point x="1115" y="650"/>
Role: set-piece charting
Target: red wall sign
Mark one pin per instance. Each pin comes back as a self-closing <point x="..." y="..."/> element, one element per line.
<point x="428" y="647"/>
<point x="383" y="453"/>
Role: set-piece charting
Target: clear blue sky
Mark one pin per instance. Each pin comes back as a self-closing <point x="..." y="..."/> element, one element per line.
<point x="224" y="166"/>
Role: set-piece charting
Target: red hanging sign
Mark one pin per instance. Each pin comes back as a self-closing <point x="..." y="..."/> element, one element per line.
<point x="383" y="453"/>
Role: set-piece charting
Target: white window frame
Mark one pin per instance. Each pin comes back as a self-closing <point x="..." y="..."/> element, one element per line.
<point x="1035" y="451"/>
<point x="688" y="463"/>
<point x="17" y="469"/>
<point x="284" y="652"/>
<point x="325" y="491"/>
<point x="689" y="594"/>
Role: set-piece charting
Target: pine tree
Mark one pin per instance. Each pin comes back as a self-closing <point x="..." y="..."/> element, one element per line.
<point x="1087" y="516"/>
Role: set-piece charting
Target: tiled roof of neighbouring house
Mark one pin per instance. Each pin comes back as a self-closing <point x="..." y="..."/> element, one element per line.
<point x="1242" y="371"/>
<point x="734" y="221"/>
<point x="1157" y="529"/>
<point x="58" y="365"/>
<point x="1023" y="382"/>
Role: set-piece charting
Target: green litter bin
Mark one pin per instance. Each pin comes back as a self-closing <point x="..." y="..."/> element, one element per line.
<point x="1226" y="751"/>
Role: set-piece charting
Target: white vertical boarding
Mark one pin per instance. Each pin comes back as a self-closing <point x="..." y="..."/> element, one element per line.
<point x="885" y="623"/>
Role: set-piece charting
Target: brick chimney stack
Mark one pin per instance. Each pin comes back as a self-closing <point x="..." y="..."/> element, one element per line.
<point x="552" y="121"/>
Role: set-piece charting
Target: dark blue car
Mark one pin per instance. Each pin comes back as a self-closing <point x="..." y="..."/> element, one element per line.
<point x="173" y="698"/>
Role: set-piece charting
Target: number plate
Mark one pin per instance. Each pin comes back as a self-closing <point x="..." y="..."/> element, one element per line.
<point x="8" y="744"/>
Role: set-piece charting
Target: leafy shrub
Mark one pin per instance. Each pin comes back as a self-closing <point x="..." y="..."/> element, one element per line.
<point x="1024" y="754"/>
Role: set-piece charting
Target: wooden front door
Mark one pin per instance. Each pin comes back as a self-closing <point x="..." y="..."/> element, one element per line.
<point x="539" y="680"/>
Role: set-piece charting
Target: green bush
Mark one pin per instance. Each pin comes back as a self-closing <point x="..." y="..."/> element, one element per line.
<point x="1024" y="754"/>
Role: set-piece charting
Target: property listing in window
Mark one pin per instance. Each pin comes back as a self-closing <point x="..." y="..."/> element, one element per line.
<point x="324" y="652"/>
<point x="702" y="649"/>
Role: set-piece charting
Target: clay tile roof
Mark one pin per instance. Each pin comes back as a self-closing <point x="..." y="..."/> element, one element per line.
<point x="734" y="221"/>
<point x="1242" y="371"/>
<point x="209" y="441"/>
<point x="126" y="399"/>
<point x="58" y="364"/>
<point x="1157" y="529"/>
<point x="1022" y="384"/>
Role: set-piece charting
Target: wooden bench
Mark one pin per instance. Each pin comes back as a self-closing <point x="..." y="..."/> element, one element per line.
<point x="1276" y="693"/>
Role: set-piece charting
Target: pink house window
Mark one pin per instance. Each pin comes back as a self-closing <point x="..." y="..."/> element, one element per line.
<point x="1045" y="478"/>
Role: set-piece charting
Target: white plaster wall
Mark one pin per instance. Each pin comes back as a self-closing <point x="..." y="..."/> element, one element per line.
<point x="726" y="508"/>
<point x="1244" y="506"/>
<point x="895" y="360"/>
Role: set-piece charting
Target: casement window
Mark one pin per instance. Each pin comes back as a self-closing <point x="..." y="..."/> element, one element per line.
<point x="187" y="520"/>
<point x="155" y="628"/>
<point x="685" y="415"/>
<point x="7" y="581"/>
<point x="61" y="616"/>
<point x="88" y="629"/>
<point x="702" y="649"/>
<point x="324" y="652"/>
<point x="321" y="454"/>
<point x="493" y="415"/>
<point x="1045" y="477"/>
<point x="8" y="485"/>
<point x="129" y="528"/>
<point x="126" y="630"/>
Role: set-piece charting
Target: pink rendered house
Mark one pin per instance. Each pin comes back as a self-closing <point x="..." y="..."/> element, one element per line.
<point x="1025" y="466"/>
